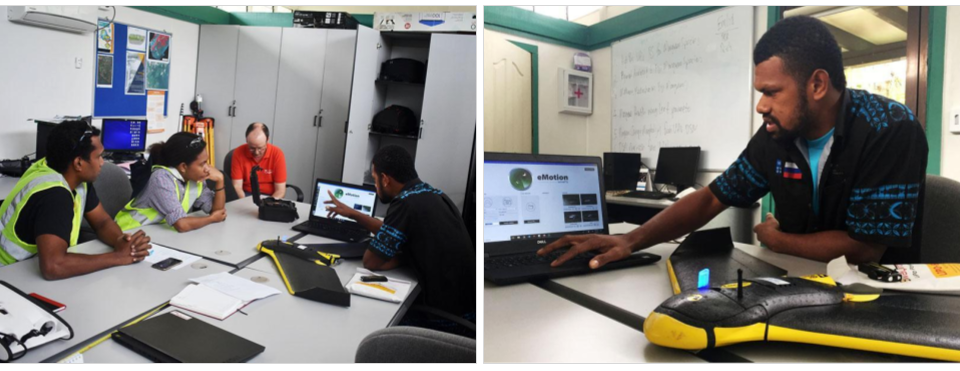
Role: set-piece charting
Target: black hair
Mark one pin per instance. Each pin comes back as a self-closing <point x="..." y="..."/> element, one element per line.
<point x="64" y="144"/>
<point x="396" y="162"/>
<point x="251" y="127"/>
<point x="182" y="147"/>
<point x="805" y="45"/>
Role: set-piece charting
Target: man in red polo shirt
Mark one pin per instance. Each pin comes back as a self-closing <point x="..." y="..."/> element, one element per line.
<point x="259" y="152"/>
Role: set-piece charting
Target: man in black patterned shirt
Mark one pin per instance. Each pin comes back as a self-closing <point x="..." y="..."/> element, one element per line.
<point x="423" y="228"/>
<point x="845" y="167"/>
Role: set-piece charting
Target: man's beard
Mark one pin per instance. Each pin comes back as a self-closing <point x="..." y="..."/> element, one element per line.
<point x="383" y="197"/>
<point x="804" y="121"/>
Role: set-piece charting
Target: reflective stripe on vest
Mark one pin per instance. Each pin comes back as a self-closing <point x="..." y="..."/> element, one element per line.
<point x="131" y="217"/>
<point x="38" y="177"/>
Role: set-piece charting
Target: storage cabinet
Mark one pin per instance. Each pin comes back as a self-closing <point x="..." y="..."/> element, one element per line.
<point x="294" y="80"/>
<point x="445" y="104"/>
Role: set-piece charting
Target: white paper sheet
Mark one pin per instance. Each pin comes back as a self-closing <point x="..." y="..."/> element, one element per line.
<point x="938" y="278"/>
<point x="357" y="287"/>
<point x="160" y="253"/>
<point x="207" y="301"/>
<point x="238" y="287"/>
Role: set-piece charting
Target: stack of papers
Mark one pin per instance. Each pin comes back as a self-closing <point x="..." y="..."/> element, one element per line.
<point x="394" y="290"/>
<point x="220" y="295"/>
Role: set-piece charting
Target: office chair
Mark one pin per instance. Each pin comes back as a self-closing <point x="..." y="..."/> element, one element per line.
<point x="403" y="344"/>
<point x="941" y="210"/>
<point x="228" y="181"/>
<point x="114" y="190"/>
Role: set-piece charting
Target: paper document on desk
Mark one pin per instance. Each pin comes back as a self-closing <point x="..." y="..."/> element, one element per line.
<point x="237" y="287"/>
<point x="161" y="253"/>
<point x="933" y="278"/>
<point x="394" y="290"/>
<point x="207" y="301"/>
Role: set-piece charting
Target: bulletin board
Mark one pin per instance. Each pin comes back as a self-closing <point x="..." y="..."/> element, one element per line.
<point x="132" y="71"/>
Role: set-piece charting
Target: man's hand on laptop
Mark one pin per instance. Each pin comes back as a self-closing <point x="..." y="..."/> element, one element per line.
<point x="338" y="208"/>
<point x="611" y="248"/>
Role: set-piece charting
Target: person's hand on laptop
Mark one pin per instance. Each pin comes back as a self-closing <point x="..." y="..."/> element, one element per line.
<point x="611" y="248"/>
<point x="338" y="208"/>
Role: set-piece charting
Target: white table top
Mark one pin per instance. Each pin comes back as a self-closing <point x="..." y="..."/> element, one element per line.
<point x="640" y="290"/>
<point x="524" y="323"/>
<point x="101" y="300"/>
<point x="234" y="241"/>
<point x="292" y="329"/>
<point x="630" y="201"/>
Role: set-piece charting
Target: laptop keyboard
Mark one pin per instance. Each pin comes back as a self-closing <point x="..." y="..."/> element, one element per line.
<point x="334" y="228"/>
<point x="524" y="260"/>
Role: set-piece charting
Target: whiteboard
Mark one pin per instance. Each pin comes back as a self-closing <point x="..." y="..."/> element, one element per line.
<point x="686" y="84"/>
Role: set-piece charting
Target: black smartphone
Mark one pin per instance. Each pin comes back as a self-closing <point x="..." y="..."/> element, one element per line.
<point x="166" y="264"/>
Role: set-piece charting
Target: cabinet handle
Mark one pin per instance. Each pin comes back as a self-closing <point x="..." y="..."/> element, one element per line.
<point x="320" y="122"/>
<point x="346" y="125"/>
<point x="314" y="120"/>
<point x="420" y="136"/>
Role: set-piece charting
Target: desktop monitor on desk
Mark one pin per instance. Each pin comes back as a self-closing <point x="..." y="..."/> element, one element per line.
<point x="124" y="135"/>
<point x="677" y="166"/>
<point x="621" y="170"/>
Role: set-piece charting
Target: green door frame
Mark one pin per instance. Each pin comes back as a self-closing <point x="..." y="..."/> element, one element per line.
<point x="534" y="92"/>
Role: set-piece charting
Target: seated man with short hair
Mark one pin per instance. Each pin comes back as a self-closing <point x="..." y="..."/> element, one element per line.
<point x="41" y="216"/>
<point x="423" y="228"/>
<point x="259" y="152"/>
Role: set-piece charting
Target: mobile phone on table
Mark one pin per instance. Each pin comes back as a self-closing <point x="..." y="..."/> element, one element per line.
<point x="167" y="263"/>
<point x="373" y="278"/>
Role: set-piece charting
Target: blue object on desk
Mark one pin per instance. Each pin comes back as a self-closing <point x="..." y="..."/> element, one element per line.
<point x="703" y="279"/>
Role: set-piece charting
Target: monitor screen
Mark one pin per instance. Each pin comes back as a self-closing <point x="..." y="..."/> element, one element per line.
<point x="678" y="166"/>
<point x="358" y="198"/>
<point x="621" y="170"/>
<point x="123" y="135"/>
<point x="540" y="200"/>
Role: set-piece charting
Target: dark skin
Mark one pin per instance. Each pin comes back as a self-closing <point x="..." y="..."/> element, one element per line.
<point x="56" y="263"/>
<point x="199" y="170"/>
<point x="779" y="105"/>
<point x="387" y="188"/>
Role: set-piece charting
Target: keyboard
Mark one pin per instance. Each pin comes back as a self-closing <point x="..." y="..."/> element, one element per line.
<point x="531" y="259"/>
<point x="332" y="230"/>
<point x="650" y="195"/>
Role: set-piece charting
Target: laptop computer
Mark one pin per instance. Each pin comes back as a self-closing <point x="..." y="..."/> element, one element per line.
<point x="361" y="198"/>
<point x="176" y="337"/>
<point x="530" y="201"/>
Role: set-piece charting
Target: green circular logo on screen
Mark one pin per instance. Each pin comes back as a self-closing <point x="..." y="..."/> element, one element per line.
<point x="521" y="179"/>
<point x="338" y="193"/>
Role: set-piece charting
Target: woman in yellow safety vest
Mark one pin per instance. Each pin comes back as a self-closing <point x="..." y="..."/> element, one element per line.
<point x="180" y="167"/>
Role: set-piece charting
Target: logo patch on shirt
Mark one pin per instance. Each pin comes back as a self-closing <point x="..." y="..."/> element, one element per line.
<point x="791" y="171"/>
<point x="779" y="167"/>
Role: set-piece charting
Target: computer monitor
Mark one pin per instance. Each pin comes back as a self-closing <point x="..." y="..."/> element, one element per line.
<point x="621" y="170"/>
<point x="43" y="132"/>
<point x="541" y="198"/>
<point x="677" y="166"/>
<point x="124" y="135"/>
<point x="360" y="198"/>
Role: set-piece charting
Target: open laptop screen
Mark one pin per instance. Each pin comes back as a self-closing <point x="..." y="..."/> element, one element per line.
<point x="358" y="198"/>
<point x="532" y="200"/>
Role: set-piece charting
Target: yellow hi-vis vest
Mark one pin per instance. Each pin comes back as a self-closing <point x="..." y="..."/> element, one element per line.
<point x="39" y="177"/>
<point x="131" y="217"/>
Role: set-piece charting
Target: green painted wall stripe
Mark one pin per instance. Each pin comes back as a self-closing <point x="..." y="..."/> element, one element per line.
<point x="524" y="22"/>
<point x="262" y="19"/>
<point x="773" y="16"/>
<point x="531" y="36"/>
<point x="364" y="19"/>
<point x="192" y="14"/>
<point x="935" y="59"/>
<point x="638" y="21"/>
<point x="535" y="91"/>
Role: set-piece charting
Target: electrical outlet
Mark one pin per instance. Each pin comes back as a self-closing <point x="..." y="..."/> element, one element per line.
<point x="78" y="62"/>
<point x="954" y="121"/>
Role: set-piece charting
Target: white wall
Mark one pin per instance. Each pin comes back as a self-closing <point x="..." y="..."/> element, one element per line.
<point x="950" y="151"/>
<point x="39" y="78"/>
<point x="591" y="135"/>
<point x="562" y="133"/>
